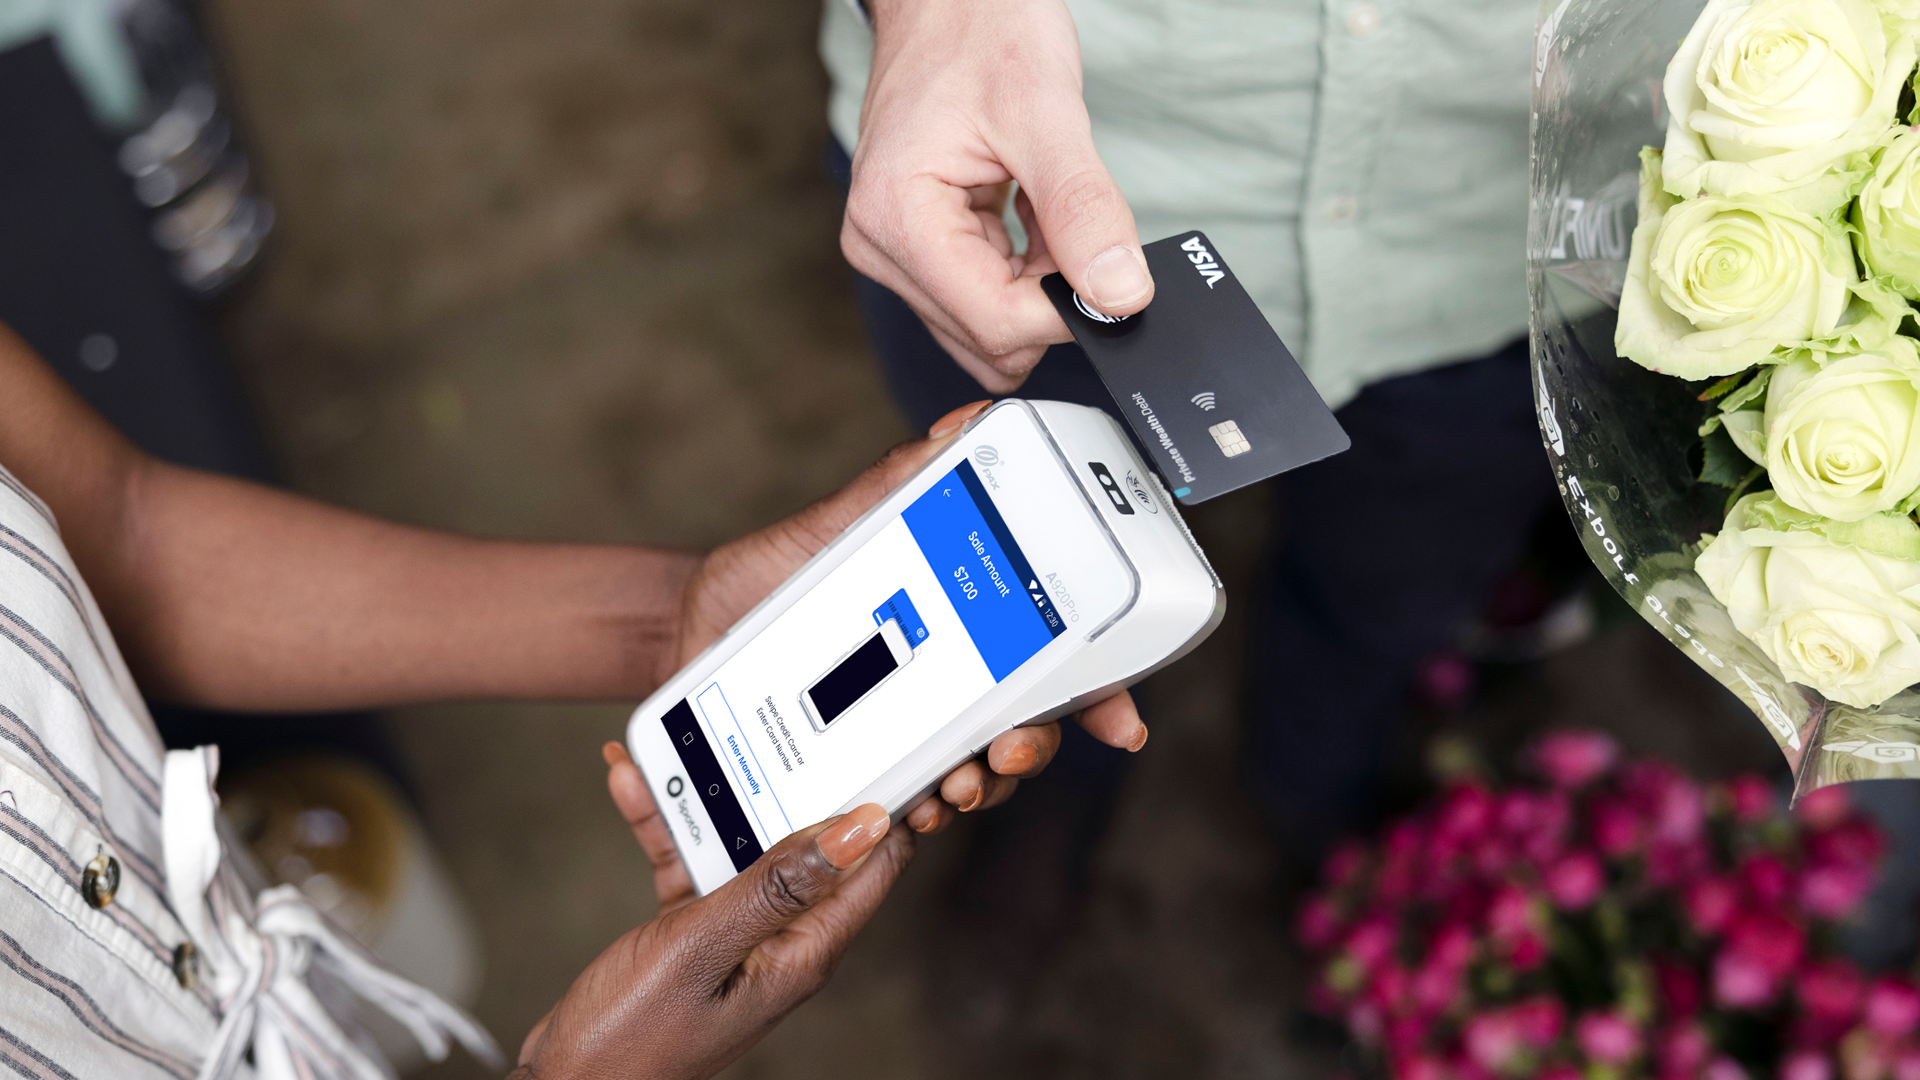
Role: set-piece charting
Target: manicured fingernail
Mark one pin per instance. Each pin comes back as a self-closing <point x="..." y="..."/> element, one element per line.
<point x="924" y="818"/>
<point x="1017" y="760"/>
<point x="853" y="835"/>
<point x="1117" y="277"/>
<point x="956" y="419"/>
<point x="1139" y="739"/>
<point x="973" y="800"/>
<point x="612" y="752"/>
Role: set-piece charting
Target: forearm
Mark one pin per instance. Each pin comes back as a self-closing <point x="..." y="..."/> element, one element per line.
<point x="231" y="595"/>
<point x="236" y="596"/>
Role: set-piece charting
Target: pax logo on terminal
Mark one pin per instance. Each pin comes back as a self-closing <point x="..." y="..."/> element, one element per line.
<point x="987" y="457"/>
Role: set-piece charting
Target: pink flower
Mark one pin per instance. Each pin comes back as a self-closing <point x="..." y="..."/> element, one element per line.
<point x="1575" y="880"/>
<point x="1679" y="989"/>
<point x="1608" y="1038"/>
<point x="1831" y="892"/>
<point x="1465" y="815"/>
<point x="1806" y="1065"/>
<point x="1669" y="865"/>
<point x="1767" y="879"/>
<point x="1677" y="808"/>
<point x="1893" y="1007"/>
<point x="1529" y="952"/>
<point x="1452" y="947"/>
<point x="1856" y="842"/>
<point x="1572" y="759"/>
<point x="1683" y="1049"/>
<point x="1492" y="1040"/>
<point x="1724" y="1068"/>
<point x="1751" y="798"/>
<point x="1770" y="940"/>
<point x="1539" y="1020"/>
<point x="1436" y="987"/>
<point x="1389" y="989"/>
<point x="1512" y="913"/>
<point x="1418" y="1067"/>
<point x="1318" y="925"/>
<point x="1741" y="982"/>
<point x="1830" y="991"/>
<point x="1371" y="941"/>
<point x="1365" y="1021"/>
<point x="1552" y="817"/>
<point x="1823" y="809"/>
<point x="1406" y="1035"/>
<point x="1710" y="904"/>
<point x="1616" y="826"/>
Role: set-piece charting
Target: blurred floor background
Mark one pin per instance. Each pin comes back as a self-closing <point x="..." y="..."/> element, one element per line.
<point x="570" y="270"/>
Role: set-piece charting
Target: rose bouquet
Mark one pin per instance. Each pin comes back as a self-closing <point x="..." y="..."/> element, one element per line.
<point x="1617" y="921"/>
<point x="1748" y="203"/>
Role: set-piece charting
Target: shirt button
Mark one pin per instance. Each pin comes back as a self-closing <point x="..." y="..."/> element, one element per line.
<point x="1342" y="209"/>
<point x="1363" y="20"/>
<point x="186" y="965"/>
<point x="100" y="880"/>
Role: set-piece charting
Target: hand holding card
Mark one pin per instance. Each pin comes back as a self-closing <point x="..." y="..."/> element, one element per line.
<point x="1206" y="385"/>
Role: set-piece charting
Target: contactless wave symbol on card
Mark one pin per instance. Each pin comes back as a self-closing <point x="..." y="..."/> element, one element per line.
<point x="1204" y="399"/>
<point x="1095" y="313"/>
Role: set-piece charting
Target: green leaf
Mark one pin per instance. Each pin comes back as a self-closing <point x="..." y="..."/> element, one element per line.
<point x="1721" y="388"/>
<point x="1723" y="463"/>
<point x="1739" y="399"/>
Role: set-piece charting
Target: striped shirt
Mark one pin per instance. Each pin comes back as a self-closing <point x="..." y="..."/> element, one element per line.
<point x="99" y="975"/>
<point x="85" y="991"/>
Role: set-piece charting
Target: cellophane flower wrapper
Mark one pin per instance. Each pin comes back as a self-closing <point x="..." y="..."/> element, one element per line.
<point x="1622" y="440"/>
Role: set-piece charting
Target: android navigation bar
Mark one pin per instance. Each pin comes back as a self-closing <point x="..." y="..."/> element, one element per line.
<point x="704" y="773"/>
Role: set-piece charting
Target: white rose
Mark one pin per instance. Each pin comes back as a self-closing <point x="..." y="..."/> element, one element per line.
<point x="1716" y="285"/>
<point x="1900" y="16"/>
<point x="1886" y="218"/>
<point x="1836" y="606"/>
<point x="1841" y="439"/>
<point x="1782" y="97"/>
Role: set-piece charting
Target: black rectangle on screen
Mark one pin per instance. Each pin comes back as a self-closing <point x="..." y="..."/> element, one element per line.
<point x="703" y="772"/>
<point x="851" y="678"/>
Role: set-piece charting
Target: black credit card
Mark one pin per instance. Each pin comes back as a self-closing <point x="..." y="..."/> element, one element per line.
<point x="1206" y="384"/>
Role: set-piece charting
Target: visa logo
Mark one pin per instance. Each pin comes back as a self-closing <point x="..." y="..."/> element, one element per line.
<point x="1203" y="260"/>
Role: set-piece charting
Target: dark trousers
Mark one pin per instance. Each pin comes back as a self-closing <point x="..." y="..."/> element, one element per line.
<point x="1387" y="549"/>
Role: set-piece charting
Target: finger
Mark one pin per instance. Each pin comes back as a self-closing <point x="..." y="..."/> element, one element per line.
<point x="920" y="237"/>
<point x="1116" y="722"/>
<point x="671" y="882"/>
<point x="999" y="374"/>
<point x="532" y="1042"/>
<point x="1024" y="751"/>
<point x="951" y="423"/>
<point x="972" y="786"/>
<point x="817" y="525"/>
<point x="781" y="886"/>
<point x="1083" y="218"/>
<point x="796" y="963"/>
<point x="931" y="816"/>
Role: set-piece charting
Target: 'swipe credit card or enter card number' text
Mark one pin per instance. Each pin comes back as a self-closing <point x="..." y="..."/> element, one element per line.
<point x="1208" y="389"/>
<point x="951" y="576"/>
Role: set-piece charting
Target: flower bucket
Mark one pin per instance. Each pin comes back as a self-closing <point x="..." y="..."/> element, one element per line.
<point x="1624" y="441"/>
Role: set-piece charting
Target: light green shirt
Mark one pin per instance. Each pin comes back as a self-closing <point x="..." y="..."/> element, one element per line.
<point x="1361" y="165"/>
